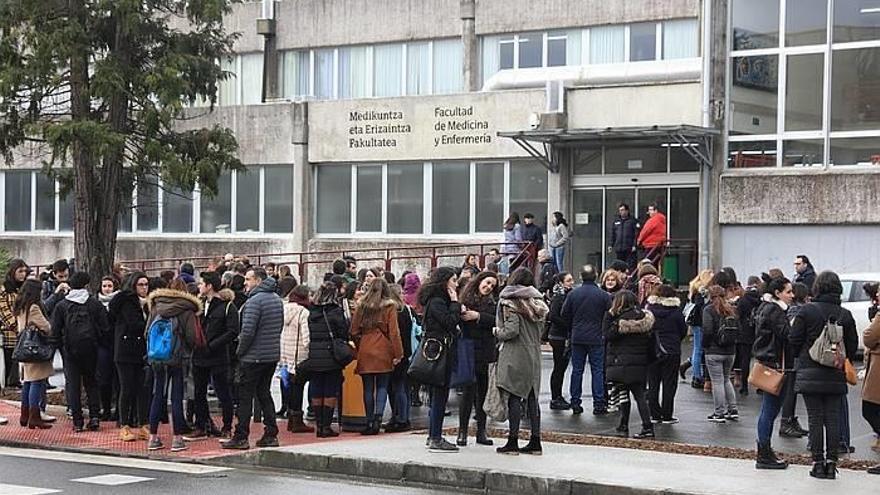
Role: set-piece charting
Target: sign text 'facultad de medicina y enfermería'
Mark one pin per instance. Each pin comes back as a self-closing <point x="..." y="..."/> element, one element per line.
<point x="420" y="128"/>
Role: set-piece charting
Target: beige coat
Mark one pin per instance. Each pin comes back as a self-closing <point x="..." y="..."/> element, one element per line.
<point x="294" y="336"/>
<point x="34" y="372"/>
<point x="871" y="387"/>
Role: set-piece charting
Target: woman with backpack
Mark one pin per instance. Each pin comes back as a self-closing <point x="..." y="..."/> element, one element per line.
<point x="172" y="310"/>
<point x="772" y="331"/>
<point x="629" y="340"/>
<point x="376" y="338"/>
<point x="29" y="313"/>
<point x="817" y="335"/>
<point x="478" y="296"/>
<point x="720" y="328"/>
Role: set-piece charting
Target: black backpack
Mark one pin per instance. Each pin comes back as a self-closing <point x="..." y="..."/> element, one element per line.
<point x="728" y="329"/>
<point x="79" y="329"/>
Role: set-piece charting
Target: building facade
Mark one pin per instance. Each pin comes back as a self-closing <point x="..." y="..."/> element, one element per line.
<point x="373" y="123"/>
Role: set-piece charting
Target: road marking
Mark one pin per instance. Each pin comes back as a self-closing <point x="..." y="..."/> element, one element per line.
<point x="23" y="490"/>
<point x="112" y="479"/>
<point x="103" y="460"/>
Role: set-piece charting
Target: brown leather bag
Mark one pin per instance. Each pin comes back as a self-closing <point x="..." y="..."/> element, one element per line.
<point x="766" y="378"/>
<point x="850" y="370"/>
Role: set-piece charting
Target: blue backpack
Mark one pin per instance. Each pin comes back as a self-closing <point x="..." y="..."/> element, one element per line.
<point x="161" y="340"/>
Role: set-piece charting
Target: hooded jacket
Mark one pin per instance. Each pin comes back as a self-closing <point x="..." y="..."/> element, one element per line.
<point x="80" y="340"/>
<point x="520" y="321"/>
<point x="378" y="344"/>
<point x="812" y="377"/>
<point x="220" y="323"/>
<point x="185" y="308"/>
<point x="128" y="320"/>
<point x="295" y="336"/>
<point x="411" y="285"/>
<point x="669" y="322"/>
<point x="629" y="345"/>
<point x="262" y="319"/>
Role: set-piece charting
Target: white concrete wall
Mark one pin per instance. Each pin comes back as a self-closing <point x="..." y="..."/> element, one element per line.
<point x="622" y="106"/>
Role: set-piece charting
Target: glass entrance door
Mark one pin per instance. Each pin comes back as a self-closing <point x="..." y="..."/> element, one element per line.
<point x="594" y="211"/>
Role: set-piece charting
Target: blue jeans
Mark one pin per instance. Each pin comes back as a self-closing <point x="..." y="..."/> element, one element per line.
<point x="558" y="254"/>
<point x="400" y="393"/>
<point x="157" y="407"/>
<point x="375" y="394"/>
<point x="32" y="393"/>
<point x="579" y="355"/>
<point x="697" y="354"/>
<point x="439" y="396"/>
<point x="770" y="407"/>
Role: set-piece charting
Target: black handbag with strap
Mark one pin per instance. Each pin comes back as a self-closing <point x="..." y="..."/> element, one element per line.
<point x="33" y="346"/>
<point x="343" y="354"/>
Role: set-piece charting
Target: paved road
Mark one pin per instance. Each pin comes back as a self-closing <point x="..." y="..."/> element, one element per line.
<point x="25" y="472"/>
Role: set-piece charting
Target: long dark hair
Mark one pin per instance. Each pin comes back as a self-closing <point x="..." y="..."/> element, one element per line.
<point x="522" y="276"/>
<point x="470" y="296"/>
<point x="622" y="302"/>
<point x="10" y="284"/>
<point x="511" y="221"/>
<point x="130" y="282"/>
<point x="436" y="285"/>
<point x="28" y="295"/>
<point x="560" y="220"/>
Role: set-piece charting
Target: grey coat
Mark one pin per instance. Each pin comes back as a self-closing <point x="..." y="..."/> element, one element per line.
<point x="262" y="319"/>
<point x="520" y="320"/>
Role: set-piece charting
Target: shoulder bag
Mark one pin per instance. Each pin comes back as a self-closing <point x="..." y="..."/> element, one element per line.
<point x="430" y="363"/>
<point x="766" y="378"/>
<point x="343" y="354"/>
<point x="32" y="347"/>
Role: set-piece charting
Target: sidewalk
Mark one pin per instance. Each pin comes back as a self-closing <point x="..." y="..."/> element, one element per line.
<point x="563" y="469"/>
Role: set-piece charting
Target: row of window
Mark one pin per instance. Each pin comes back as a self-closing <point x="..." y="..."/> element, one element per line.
<point x="804" y="92"/>
<point x="596" y="45"/>
<point x="258" y="201"/>
<point x="427" y="198"/>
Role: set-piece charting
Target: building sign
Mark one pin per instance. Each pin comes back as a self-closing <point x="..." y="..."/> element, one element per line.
<point x="420" y="128"/>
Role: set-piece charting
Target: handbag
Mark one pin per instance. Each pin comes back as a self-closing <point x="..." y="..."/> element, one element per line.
<point x="430" y="363"/>
<point x="32" y="347"/>
<point x="464" y="372"/>
<point x="850" y="370"/>
<point x="342" y="351"/>
<point x="767" y="379"/>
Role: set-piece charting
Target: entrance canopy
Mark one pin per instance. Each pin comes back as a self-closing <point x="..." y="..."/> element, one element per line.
<point x="544" y="145"/>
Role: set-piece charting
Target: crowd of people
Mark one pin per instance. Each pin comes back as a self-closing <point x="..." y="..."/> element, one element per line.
<point x="233" y="329"/>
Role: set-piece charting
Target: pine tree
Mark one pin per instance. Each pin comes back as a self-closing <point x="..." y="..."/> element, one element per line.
<point x="100" y="88"/>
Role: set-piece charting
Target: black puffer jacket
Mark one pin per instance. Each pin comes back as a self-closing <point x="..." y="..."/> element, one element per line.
<point x="480" y="331"/>
<point x="629" y="345"/>
<point x="746" y="304"/>
<point x="711" y="325"/>
<point x="442" y="317"/>
<point x="558" y="326"/>
<point x="220" y="323"/>
<point x="322" y="321"/>
<point x="771" y="334"/>
<point x="668" y="322"/>
<point x="128" y="319"/>
<point x="812" y="377"/>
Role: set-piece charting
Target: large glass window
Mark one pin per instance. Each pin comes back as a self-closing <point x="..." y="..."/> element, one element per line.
<point x="803" y="94"/>
<point x="607" y="45"/>
<point x="755" y="24"/>
<point x="216" y="212"/>
<point x="278" y="199"/>
<point x="247" y="200"/>
<point x="448" y="55"/>
<point x="635" y="160"/>
<point x="854" y="90"/>
<point x="388" y="70"/>
<point x="531" y="52"/>
<point x="751" y="154"/>
<point x="806" y="22"/>
<point x="753" y="95"/>
<point x="489" y="197"/>
<point x="45" y="217"/>
<point x="18" y="201"/>
<point x="556" y="48"/>
<point x="643" y="41"/>
<point x="251" y="78"/>
<point x="528" y="191"/>
<point x="294" y="73"/>
<point x="855" y="151"/>
<point x="405" y="198"/>
<point x="856" y="20"/>
<point x="323" y="74"/>
<point x="681" y="39"/>
<point x="227" y="89"/>
<point x="333" y="199"/>
<point x="354" y="70"/>
<point x="451" y="208"/>
<point x="803" y="153"/>
<point x="177" y="213"/>
<point x="418" y="68"/>
<point x="65" y="213"/>
<point x="148" y="204"/>
<point x="506" y="53"/>
<point x="369" y="198"/>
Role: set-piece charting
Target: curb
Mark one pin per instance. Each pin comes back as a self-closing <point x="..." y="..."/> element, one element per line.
<point x="485" y="481"/>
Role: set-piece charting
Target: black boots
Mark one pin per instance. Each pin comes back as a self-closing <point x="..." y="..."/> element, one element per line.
<point x="682" y="369"/>
<point x="461" y="441"/>
<point x="533" y="447"/>
<point x="482" y="439"/>
<point x="511" y="447"/>
<point x="324" y="415"/>
<point x="295" y="423"/>
<point x="373" y="426"/>
<point x="824" y="470"/>
<point x="766" y="458"/>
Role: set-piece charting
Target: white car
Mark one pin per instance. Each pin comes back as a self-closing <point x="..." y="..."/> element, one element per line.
<point x="856" y="301"/>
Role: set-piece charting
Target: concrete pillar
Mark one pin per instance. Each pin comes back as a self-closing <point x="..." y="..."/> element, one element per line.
<point x="471" y="66"/>
<point x="718" y="80"/>
<point x="302" y="177"/>
<point x="266" y="28"/>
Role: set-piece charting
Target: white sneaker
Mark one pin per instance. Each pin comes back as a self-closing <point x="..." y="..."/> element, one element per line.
<point x="47" y="417"/>
<point x="3" y="421"/>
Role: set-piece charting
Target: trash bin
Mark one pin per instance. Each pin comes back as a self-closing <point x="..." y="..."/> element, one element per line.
<point x="670" y="269"/>
<point x="354" y="418"/>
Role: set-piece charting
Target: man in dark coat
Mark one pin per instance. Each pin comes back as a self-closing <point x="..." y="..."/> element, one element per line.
<point x="624" y="233"/>
<point x="583" y="311"/>
<point x="805" y="272"/>
<point x="531" y="232"/>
